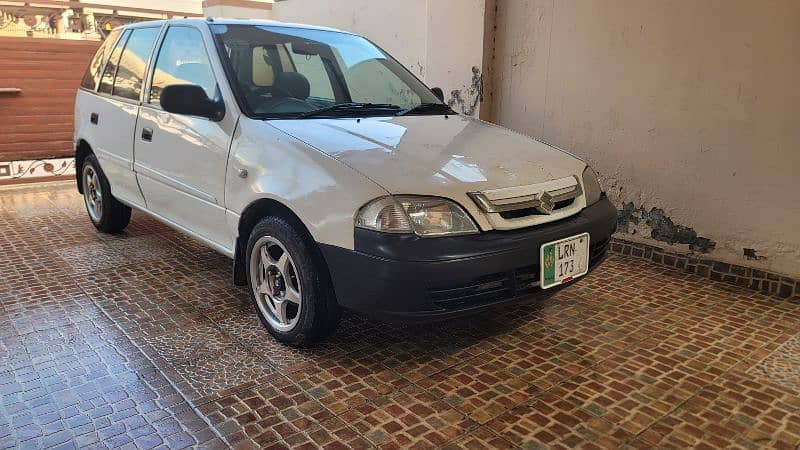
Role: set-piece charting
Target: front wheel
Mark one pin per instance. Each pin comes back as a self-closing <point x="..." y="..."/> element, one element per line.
<point x="293" y="297"/>
<point x="107" y="213"/>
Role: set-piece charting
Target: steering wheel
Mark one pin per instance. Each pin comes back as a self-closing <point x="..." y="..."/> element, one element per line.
<point x="261" y="90"/>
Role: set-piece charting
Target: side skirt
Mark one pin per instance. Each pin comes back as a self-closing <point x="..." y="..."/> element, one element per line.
<point x="218" y="247"/>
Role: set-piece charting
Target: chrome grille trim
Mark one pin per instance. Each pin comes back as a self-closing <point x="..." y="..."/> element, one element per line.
<point x="505" y="200"/>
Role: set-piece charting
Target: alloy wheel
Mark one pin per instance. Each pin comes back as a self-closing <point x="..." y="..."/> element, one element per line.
<point x="276" y="284"/>
<point x="92" y="193"/>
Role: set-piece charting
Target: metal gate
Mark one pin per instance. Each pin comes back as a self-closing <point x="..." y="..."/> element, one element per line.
<point x="38" y="81"/>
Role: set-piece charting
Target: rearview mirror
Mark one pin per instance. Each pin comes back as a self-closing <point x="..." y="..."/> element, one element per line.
<point x="191" y="100"/>
<point x="438" y="93"/>
<point x="308" y="48"/>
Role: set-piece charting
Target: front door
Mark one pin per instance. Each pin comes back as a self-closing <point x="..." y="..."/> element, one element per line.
<point x="181" y="160"/>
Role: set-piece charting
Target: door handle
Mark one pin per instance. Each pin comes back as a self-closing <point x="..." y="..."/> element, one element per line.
<point x="94" y="118"/>
<point x="147" y="134"/>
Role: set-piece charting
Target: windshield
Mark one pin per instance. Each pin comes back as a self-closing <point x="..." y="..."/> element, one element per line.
<point x="283" y="72"/>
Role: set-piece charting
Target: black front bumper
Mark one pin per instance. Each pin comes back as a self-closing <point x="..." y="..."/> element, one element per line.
<point x="405" y="278"/>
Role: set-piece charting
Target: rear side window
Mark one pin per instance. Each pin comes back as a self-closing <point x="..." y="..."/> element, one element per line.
<point x="182" y="60"/>
<point x="128" y="81"/>
<point x="92" y="75"/>
<point x="107" y="81"/>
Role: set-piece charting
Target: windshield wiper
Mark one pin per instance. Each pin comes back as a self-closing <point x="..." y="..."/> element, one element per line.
<point x="427" y="107"/>
<point x="349" y="108"/>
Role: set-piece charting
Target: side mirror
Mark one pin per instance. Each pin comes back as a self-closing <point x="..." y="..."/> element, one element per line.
<point x="191" y="100"/>
<point x="438" y="93"/>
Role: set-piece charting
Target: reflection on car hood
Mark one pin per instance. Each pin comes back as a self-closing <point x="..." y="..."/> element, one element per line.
<point x="434" y="155"/>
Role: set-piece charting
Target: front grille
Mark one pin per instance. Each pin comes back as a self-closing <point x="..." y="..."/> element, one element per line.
<point x="525" y="212"/>
<point x="500" y="286"/>
<point x="517" y="207"/>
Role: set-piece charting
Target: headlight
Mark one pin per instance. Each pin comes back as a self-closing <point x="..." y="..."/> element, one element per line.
<point x="591" y="186"/>
<point x="425" y="216"/>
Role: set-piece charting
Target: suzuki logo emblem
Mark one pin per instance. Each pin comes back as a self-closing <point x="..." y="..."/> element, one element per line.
<point x="546" y="203"/>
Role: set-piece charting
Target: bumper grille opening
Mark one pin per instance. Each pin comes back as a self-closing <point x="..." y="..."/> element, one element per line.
<point x="501" y="286"/>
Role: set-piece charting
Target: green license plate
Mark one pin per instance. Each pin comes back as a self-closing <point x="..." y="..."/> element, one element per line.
<point x="564" y="260"/>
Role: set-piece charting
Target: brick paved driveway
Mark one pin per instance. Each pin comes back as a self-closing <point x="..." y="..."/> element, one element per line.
<point x="140" y="340"/>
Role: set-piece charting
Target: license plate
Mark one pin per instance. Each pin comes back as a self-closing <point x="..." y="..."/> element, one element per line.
<point x="564" y="260"/>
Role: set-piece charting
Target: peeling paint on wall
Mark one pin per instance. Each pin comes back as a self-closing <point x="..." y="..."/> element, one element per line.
<point x="466" y="100"/>
<point x="661" y="227"/>
<point x="752" y="255"/>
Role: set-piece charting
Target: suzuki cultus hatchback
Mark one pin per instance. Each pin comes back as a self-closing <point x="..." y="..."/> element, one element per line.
<point x="329" y="174"/>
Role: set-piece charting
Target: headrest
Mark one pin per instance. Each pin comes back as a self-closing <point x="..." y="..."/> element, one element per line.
<point x="292" y="84"/>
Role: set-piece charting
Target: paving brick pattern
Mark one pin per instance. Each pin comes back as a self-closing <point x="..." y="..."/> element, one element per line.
<point x="140" y="341"/>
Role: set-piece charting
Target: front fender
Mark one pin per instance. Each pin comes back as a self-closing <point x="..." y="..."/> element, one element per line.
<point x="325" y="194"/>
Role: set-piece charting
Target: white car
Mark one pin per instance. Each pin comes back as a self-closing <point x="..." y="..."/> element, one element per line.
<point x="330" y="174"/>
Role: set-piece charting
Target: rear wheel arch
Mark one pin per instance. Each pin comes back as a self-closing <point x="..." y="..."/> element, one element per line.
<point x="107" y="214"/>
<point x="82" y="150"/>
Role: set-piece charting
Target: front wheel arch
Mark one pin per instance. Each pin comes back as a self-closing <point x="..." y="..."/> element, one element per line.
<point x="251" y="215"/>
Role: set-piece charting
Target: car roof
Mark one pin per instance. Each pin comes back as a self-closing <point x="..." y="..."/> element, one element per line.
<point x="211" y="20"/>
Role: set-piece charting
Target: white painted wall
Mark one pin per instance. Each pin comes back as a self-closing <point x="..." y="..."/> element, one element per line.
<point x="187" y="6"/>
<point x="439" y="40"/>
<point x="691" y="107"/>
<point x="237" y="12"/>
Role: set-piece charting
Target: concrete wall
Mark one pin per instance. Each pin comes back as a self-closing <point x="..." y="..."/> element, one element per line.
<point x="688" y="109"/>
<point x="238" y="9"/>
<point x="186" y="6"/>
<point x="441" y="41"/>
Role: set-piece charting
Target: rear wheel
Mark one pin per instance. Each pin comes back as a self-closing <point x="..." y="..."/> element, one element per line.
<point x="293" y="298"/>
<point x="107" y="213"/>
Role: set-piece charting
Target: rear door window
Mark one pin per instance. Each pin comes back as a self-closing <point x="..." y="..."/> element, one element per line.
<point x="92" y="75"/>
<point x="133" y="63"/>
<point x="107" y="82"/>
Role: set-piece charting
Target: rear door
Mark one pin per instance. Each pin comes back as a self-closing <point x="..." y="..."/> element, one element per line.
<point x="181" y="160"/>
<point x="113" y="111"/>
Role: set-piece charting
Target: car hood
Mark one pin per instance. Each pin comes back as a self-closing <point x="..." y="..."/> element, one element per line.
<point x="434" y="155"/>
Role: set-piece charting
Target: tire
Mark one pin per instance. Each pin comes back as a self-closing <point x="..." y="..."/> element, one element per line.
<point x="107" y="214"/>
<point x="289" y="285"/>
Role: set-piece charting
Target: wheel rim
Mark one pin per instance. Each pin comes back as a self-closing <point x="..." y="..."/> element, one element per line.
<point x="92" y="193"/>
<point x="275" y="283"/>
